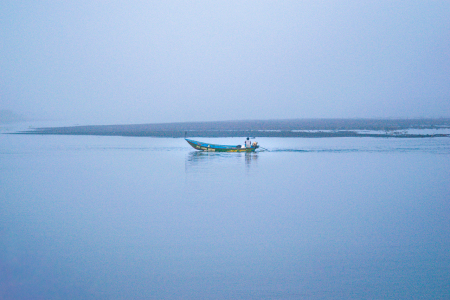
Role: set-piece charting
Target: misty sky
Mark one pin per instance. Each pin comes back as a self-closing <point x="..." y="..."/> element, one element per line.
<point x="169" y="61"/>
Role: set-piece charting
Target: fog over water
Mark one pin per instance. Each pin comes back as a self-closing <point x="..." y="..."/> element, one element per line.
<point x="87" y="217"/>
<point x="115" y="217"/>
<point x="115" y="62"/>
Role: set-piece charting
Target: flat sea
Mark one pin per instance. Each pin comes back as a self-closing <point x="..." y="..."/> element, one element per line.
<point x="89" y="217"/>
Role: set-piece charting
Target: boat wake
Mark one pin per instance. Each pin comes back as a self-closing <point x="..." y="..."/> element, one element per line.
<point x="312" y="150"/>
<point x="367" y="150"/>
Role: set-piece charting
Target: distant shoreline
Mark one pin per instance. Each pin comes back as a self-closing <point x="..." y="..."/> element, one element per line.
<point x="305" y="128"/>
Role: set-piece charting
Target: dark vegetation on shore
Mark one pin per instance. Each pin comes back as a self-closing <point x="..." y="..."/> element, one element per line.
<point x="260" y="128"/>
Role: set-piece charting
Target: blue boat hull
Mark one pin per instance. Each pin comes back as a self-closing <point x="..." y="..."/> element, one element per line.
<point x="219" y="148"/>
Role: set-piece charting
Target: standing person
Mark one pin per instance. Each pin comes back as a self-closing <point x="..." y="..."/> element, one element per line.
<point x="248" y="144"/>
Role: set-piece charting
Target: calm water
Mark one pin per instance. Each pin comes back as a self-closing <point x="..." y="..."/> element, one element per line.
<point x="85" y="217"/>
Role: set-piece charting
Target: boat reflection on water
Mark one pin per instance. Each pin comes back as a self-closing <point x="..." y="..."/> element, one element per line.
<point x="203" y="161"/>
<point x="250" y="157"/>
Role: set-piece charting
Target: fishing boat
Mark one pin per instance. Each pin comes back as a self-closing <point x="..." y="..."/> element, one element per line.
<point x="221" y="148"/>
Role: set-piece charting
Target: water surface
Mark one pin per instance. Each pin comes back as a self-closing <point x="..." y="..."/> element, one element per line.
<point x="86" y="217"/>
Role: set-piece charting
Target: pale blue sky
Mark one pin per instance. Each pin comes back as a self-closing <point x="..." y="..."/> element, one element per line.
<point x="169" y="61"/>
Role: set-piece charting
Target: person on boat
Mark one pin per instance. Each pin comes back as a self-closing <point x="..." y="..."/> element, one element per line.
<point x="248" y="143"/>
